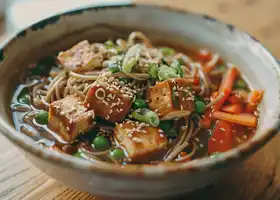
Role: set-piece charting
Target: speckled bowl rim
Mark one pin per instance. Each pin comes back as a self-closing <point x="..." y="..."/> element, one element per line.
<point x="228" y="158"/>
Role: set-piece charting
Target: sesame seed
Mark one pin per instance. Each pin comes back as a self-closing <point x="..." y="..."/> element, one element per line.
<point x="67" y="128"/>
<point x="222" y="129"/>
<point x="221" y="141"/>
<point x="201" y="145"/>
<point x="214" y="139"/>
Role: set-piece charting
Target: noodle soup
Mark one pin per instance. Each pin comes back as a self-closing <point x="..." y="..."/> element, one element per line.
<point x="130" y="101"/>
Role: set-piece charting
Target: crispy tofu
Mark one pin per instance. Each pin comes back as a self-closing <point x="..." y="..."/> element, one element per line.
<point x="171" y="99"/>
<point x="142" y="142"/>
<point x="110" y="99"/>
<point x="69" y="117"/>
<point x="80" y="57"/>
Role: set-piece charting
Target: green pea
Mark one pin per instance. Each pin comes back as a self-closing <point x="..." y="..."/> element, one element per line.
<point x="153" y="70"/>
<point x="139" y="103"/>
<point x="240" y="84"/>
<point x="200" y="107"/>
<point x="101" y="143"/>
<point x="42" y="117"/>
<point x="117" y="154"/>
<point x="166" y="51"/>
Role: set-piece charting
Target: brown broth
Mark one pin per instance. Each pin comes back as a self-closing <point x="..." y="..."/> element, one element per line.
<point x="42" y="135"/>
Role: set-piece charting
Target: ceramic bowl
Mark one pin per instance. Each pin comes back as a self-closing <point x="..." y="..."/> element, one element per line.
<point x="59" y="32"/>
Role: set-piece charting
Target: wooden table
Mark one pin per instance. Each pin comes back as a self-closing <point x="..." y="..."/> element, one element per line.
<point x="257" y="179"/>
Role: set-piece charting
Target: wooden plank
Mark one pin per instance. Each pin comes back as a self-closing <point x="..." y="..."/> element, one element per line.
<point x="257" y="179"/>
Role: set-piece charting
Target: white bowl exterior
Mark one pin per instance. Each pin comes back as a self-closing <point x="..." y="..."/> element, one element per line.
<point x="256" y="64"/>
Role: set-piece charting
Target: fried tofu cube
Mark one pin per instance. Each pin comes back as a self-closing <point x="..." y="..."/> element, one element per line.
<point x="110" y="99"/>
<point x="69" y="117"/>
<point x="141" y="141"/>
<point x="171" y="99"/>
<point x="80" y="57"/>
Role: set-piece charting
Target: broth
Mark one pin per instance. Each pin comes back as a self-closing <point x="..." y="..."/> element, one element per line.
<point x="131" y="101"/>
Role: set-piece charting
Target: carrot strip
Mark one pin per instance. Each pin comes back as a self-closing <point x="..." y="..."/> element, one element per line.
<point x="234" y="99"/>
<point x="214" y="95"/>
<point x="243" y="119"/>
<point x="233" y="108"/>
<point x="255" y="97"/>
<point x="221" y="102"/>
<point x="228" y="80"/>
<point x="249" y="108"/>
<point x="226" y="87"/>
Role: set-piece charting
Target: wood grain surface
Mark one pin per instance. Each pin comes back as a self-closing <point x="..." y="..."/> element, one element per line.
<point x="257" y="179"/>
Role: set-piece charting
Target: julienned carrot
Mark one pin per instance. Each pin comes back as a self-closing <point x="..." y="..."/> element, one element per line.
<point x="243" y="118"/>
<point x="233" y="108"/>
<point x="228" y="80"/>
<point x="214" y="95"/>
<point x="226" y="87"/>
<point x="233" y="99"/>
<point x="221" y="102"/>
<point x="255" y="97"/>
<point x="249" y="108"/>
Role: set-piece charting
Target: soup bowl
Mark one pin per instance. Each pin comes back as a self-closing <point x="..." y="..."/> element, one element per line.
<point x="259" y="68"/>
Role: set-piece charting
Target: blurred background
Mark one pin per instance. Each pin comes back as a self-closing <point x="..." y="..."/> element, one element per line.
<point x="258" y="17"/>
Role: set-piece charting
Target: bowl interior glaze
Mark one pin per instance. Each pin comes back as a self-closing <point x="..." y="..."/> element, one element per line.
<point x="60" y="32"/>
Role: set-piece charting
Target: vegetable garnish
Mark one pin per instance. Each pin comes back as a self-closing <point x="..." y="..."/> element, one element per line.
<point x="139" y="103"/>
<point x="129" y="101"/>
<point x="101" y="143"/>
<point x="243" y="118"/>
<point x="153" y="70"/>
<point x="166" y="51"/>
<point x="166" y="72"/>
<point x="24" y="97"/>
<point x="131" y="57"/>
<point x="117" y="154"/>
<point x="146" y="115"/>
<point x="177" y="66"/>
<point x="42" y="117"/>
